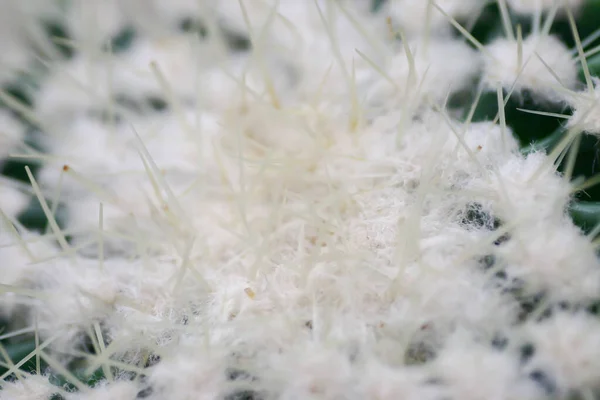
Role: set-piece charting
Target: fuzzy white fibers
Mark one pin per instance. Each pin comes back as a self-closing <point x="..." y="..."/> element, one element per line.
<point x="478" y="372"/>
<point x="135" y="299"/>
<point x="284" y="237"/>
<point x="180" y="69"/>
<point x="461" y="155"/>
<point x="586" y="107"/>
<point x="168" y="69"/>
<point x="81" y="84"/>
<point x="24" y="38"/>
<point x="524" y="189"/>
<point x="93" y="23"/>
<point x="439" y="313"/>
<point x="21" y="263"/>
<point x="106" y="164"/>
<point x="308" y="200"/>
<point x="12" y="200"/>
<point x="106" y="153"/>
<point x="318" y="380"/>
<point x="432" y="71"/>
<point x="553" y="256"/>
<point x="174" y="59"/>
<point x="179" y="376"/>
<point x="294" y="23"/>
<point x="318" y="43"/>
<point x="490" y="143"/>
<point x="12" y="134"/>
<point x="416" y="16"/>
<point x="19" y="31"/>
<point x="118" y="390"/>
<point x="381" y="382"/>
<point x="533" y="7"/>
<point x="545" y="65"/>
<point x="566" y="348"/>
<point x="77" y="292"/>
<point x="32" y="387"/>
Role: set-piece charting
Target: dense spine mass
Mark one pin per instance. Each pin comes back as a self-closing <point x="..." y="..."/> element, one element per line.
<point x="289" y="199"/>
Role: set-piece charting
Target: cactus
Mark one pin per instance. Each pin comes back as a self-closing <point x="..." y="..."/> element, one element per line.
<point x="324" y="199"/>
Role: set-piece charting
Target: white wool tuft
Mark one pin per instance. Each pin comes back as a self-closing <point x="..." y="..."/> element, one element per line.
<point x="307" y="45"/>
<point x="33" y="387"/>
<point x="79" y="293"/>
<point x="174" y="58"/>
<point x="95" y="23"/>
<point x="533" y="7"/>
<point x="12" y="134"/>
<point x="181" y="377"/>
<point x="476" y="372"/>
<point x="19" y="266"/>
<point x="12" y="200"/>
<point x="322" y="373"/>
<point x="15" y="18"/>
<point x="554" y="257"/>
<point x="521" y="193"/>
<point x="546" y="64"/>
<point x="291" y="224"/>
<point x="385" y="383"/>
<point x="413" y="16"/>
<point x="566" y="349"/>
<point x="586" y="105"/>
<point x="441" y="67"/>
<point x="81" y="84"/>
<point x="119" y="390"/>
